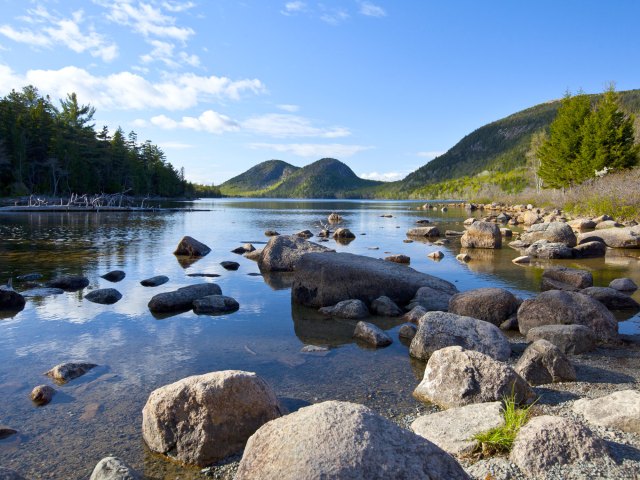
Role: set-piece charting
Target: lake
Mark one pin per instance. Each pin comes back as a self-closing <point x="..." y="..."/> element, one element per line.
<point x="100" y="413"/>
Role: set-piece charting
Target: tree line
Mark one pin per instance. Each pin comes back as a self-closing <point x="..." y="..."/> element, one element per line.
<point x="56" y="151"/>
<point x="586" y="140"/>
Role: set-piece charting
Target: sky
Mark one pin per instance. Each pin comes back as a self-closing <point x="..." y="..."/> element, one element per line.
<point x="382" y="85"/>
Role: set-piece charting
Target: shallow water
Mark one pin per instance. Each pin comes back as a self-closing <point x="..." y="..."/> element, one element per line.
<point x="100" y="413"/>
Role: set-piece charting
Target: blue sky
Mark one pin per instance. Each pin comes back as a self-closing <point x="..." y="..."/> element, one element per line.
<point x="384" y="86"/>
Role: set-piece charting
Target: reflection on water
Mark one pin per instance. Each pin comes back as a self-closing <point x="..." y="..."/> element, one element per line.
<point x="99" y="414"/>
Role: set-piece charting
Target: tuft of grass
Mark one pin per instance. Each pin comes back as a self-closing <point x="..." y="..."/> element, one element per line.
<point x="500" y="439"/>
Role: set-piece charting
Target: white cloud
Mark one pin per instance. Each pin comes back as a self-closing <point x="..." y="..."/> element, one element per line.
<point x="291" y="8"/>
<point x="371" y="10"/>
<point x="289" y="108"/>
<point x="335" y="150"/>
<point x="130" y="91"/>
<point x="335" y="16"/>
<point x="164" y="52"/>
<point x="50" y="30"/>
<point x="430" y="155"/>
<point x="178" y="6"/>
<point x="385" y="177"/>
<point x="209" y="121"/>
<point x="139" y="122"/>
<point x="285" y="125"/>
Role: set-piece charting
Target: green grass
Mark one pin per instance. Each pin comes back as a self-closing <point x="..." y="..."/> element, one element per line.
<point x="500" y="439"/>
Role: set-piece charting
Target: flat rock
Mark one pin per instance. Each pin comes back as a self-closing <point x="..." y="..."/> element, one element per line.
<point x="553" y="232"/>
<point x="570" y="278"/>
<point x="374" y="336"/>
<point x="546" y="249"/>
<point x="69" y="282"/>
<point x="455" y="377"/>
<point x="41" y="292"/>
<point x="547" y="441"/>
<point x="570" y="339"/>
<point x="204" y="418"/>
<point x="482" y="235"/>
<point x="621" y="284"/>
<point x="283" y="252"/>
<point x="340" y="440"/>
<point x="105" y="296"/>
<point x="182" y="298"/>
<point x="426" y="232"/>
<point x="42" y="394"/>
<point x="154" y="281"/>
<point x="65" y="372"/>
<point x="437" y="330"/>
<point x="627" y="237"/>
<point x="114" y="276"/>
<point x="229" y="265"/>
<point x="325" y="279"/>
<point x="453" y="430"/>
<point x="354" y="309"/>
<point x="611" y="298"/>
<point x="215" y="304"/>
<point x="113" y="468"/>
<point x="542" y="362"/>
<point x="191" y="247"/>
<point x="493" y="305"/>
<point x="619" y="410"/>
<point x="385" y="307"/>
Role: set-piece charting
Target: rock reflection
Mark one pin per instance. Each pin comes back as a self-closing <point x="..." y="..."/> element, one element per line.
<point x="278" y="280"/>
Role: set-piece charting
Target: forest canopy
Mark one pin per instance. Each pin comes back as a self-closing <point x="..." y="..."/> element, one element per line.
<point x="50" y="150"/>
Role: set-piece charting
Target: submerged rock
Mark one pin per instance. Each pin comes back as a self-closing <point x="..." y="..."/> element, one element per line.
<point x="191" y="247"/>
<point x="114" y="276"/>
<point x="105" y="296"/>
<point x="215" y="304"/>
<point x="155" y="281"/>
<point x="204" y="418"/>
<point x="341" y="440"/>
<point x="42" y="394"/>
<point x="182" y="299"/>
<point x="69" y="282"/>
<point x="29" y="277"/>
<point x="354" y="309"/>
<point x="374" y="336"/>
<point x="66" y="372"/>
<point x="112" y="468"/>
<point x="41" y="292"/>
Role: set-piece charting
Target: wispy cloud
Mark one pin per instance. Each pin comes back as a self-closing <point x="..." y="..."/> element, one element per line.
<point x="209" y="121"/>
<point x="289" y="108"/>
<point x="47" y="30"/>
<point x="317" y="150"/>
<point x="178" y="6"/>
<point x="291" y="8"/>
<point x="334" y="16"/>
<point x="130" y="91"/>
<point x="431" y="154"/>
<point x="385" y="177"/>
<point x="286" y="125"/>
<point x="164" y="52"/>
<point x="371" y="10"/>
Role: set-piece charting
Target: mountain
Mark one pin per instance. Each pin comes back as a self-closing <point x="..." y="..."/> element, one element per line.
<point x="263" y="177"/>
<point x="326" y="178"/>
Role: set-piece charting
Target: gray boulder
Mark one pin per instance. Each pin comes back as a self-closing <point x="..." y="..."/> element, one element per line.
<point x="547" y="441"/>
<point x="42" y="395"/>
<point x="625" y="285"/>
<point x="619" y="410"/>
<point x="546" y="249"/>
<point x="455" y="377"/>
<point x="385" y="307"/>
<point x="553" y="232"/>
<point x="482" y="235"/>
<point x="215" y="305"/>
<point x="114" y="276"/>
<point x="425" y="232"/>
<point x="430" y="299"/>
<point x="69" y="282"/>
<point x="542" y="362"/>
<point x="453" y="430"/>
<point x="340" y="440"/>
<point x="414" y="315"/>
<point x="611" y="298"/>
<point x="590" y="250"/>
<point x="407" y="331"/>
<point x="112" y="468"/>
<point x="570" y="339"/>
<point x="437" y="330"/>
<point x="627" y="237"/>
<point x="374" y="336"/>
<point x="191" y="247"/>
<point x="353" y="309"/>
<point x="283" y="252"/>
<point x="493" y="305"/>
<point x="66" y="372"/>
<point x="154" y="281"/>
<point x="565" y="278"/>
<point x="204" y="418"/>
<point x="326" y="279"/>
<point x="105" y="296"/>
<point x="556" y="307"/>
<point x="182" y="298"/>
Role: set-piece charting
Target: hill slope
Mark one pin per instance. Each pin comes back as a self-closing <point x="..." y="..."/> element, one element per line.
<point x="262" y="177"/>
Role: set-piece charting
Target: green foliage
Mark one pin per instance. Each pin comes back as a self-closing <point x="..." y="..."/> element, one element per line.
<point x="500" y="439"/>
<point x="53" y="151"/>
<point x="258" y="180"/>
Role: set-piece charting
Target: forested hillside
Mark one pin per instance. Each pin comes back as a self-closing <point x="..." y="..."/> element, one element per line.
<point x="260" y="178"/>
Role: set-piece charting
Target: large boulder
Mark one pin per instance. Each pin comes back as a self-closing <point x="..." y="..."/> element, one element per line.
<point x="438" y="330"/>
<point x="546" y="249"/>
<point x="69" y="282"/>
<point x="325" y="279"/>
<point x="430" y="299"/>
<point x="371" y="334"/>
<point x="627" y="237"/>
<point x="619" y="410"/>
<point x="181" y="300"/>
<point x="113" y="468"/>
<point x="340" y="440"/>
<point x="425" y="232"/>
<point x="492" y="305"/>
<point x="590" y="250"/>
<point x="565" y="278"/>
<point x="204" y="418"/>
<point x="570" y="339"/>
<point x="482" y="235"/>
<point x="65" y="372"/>
<point x="191" y="247"/>
<point x="542" y="362"/>
<point x="547" y="441"/>
<point x="455" y="377"/>
<point x="283" y="252"/>
<point x="556" y="307"/>
<point x="611" y="298"/>
<point x="105" y="296"/>
<point x="453" y="430"/>
<point x="553" y="232"/>
<point x="354" y="309"/>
